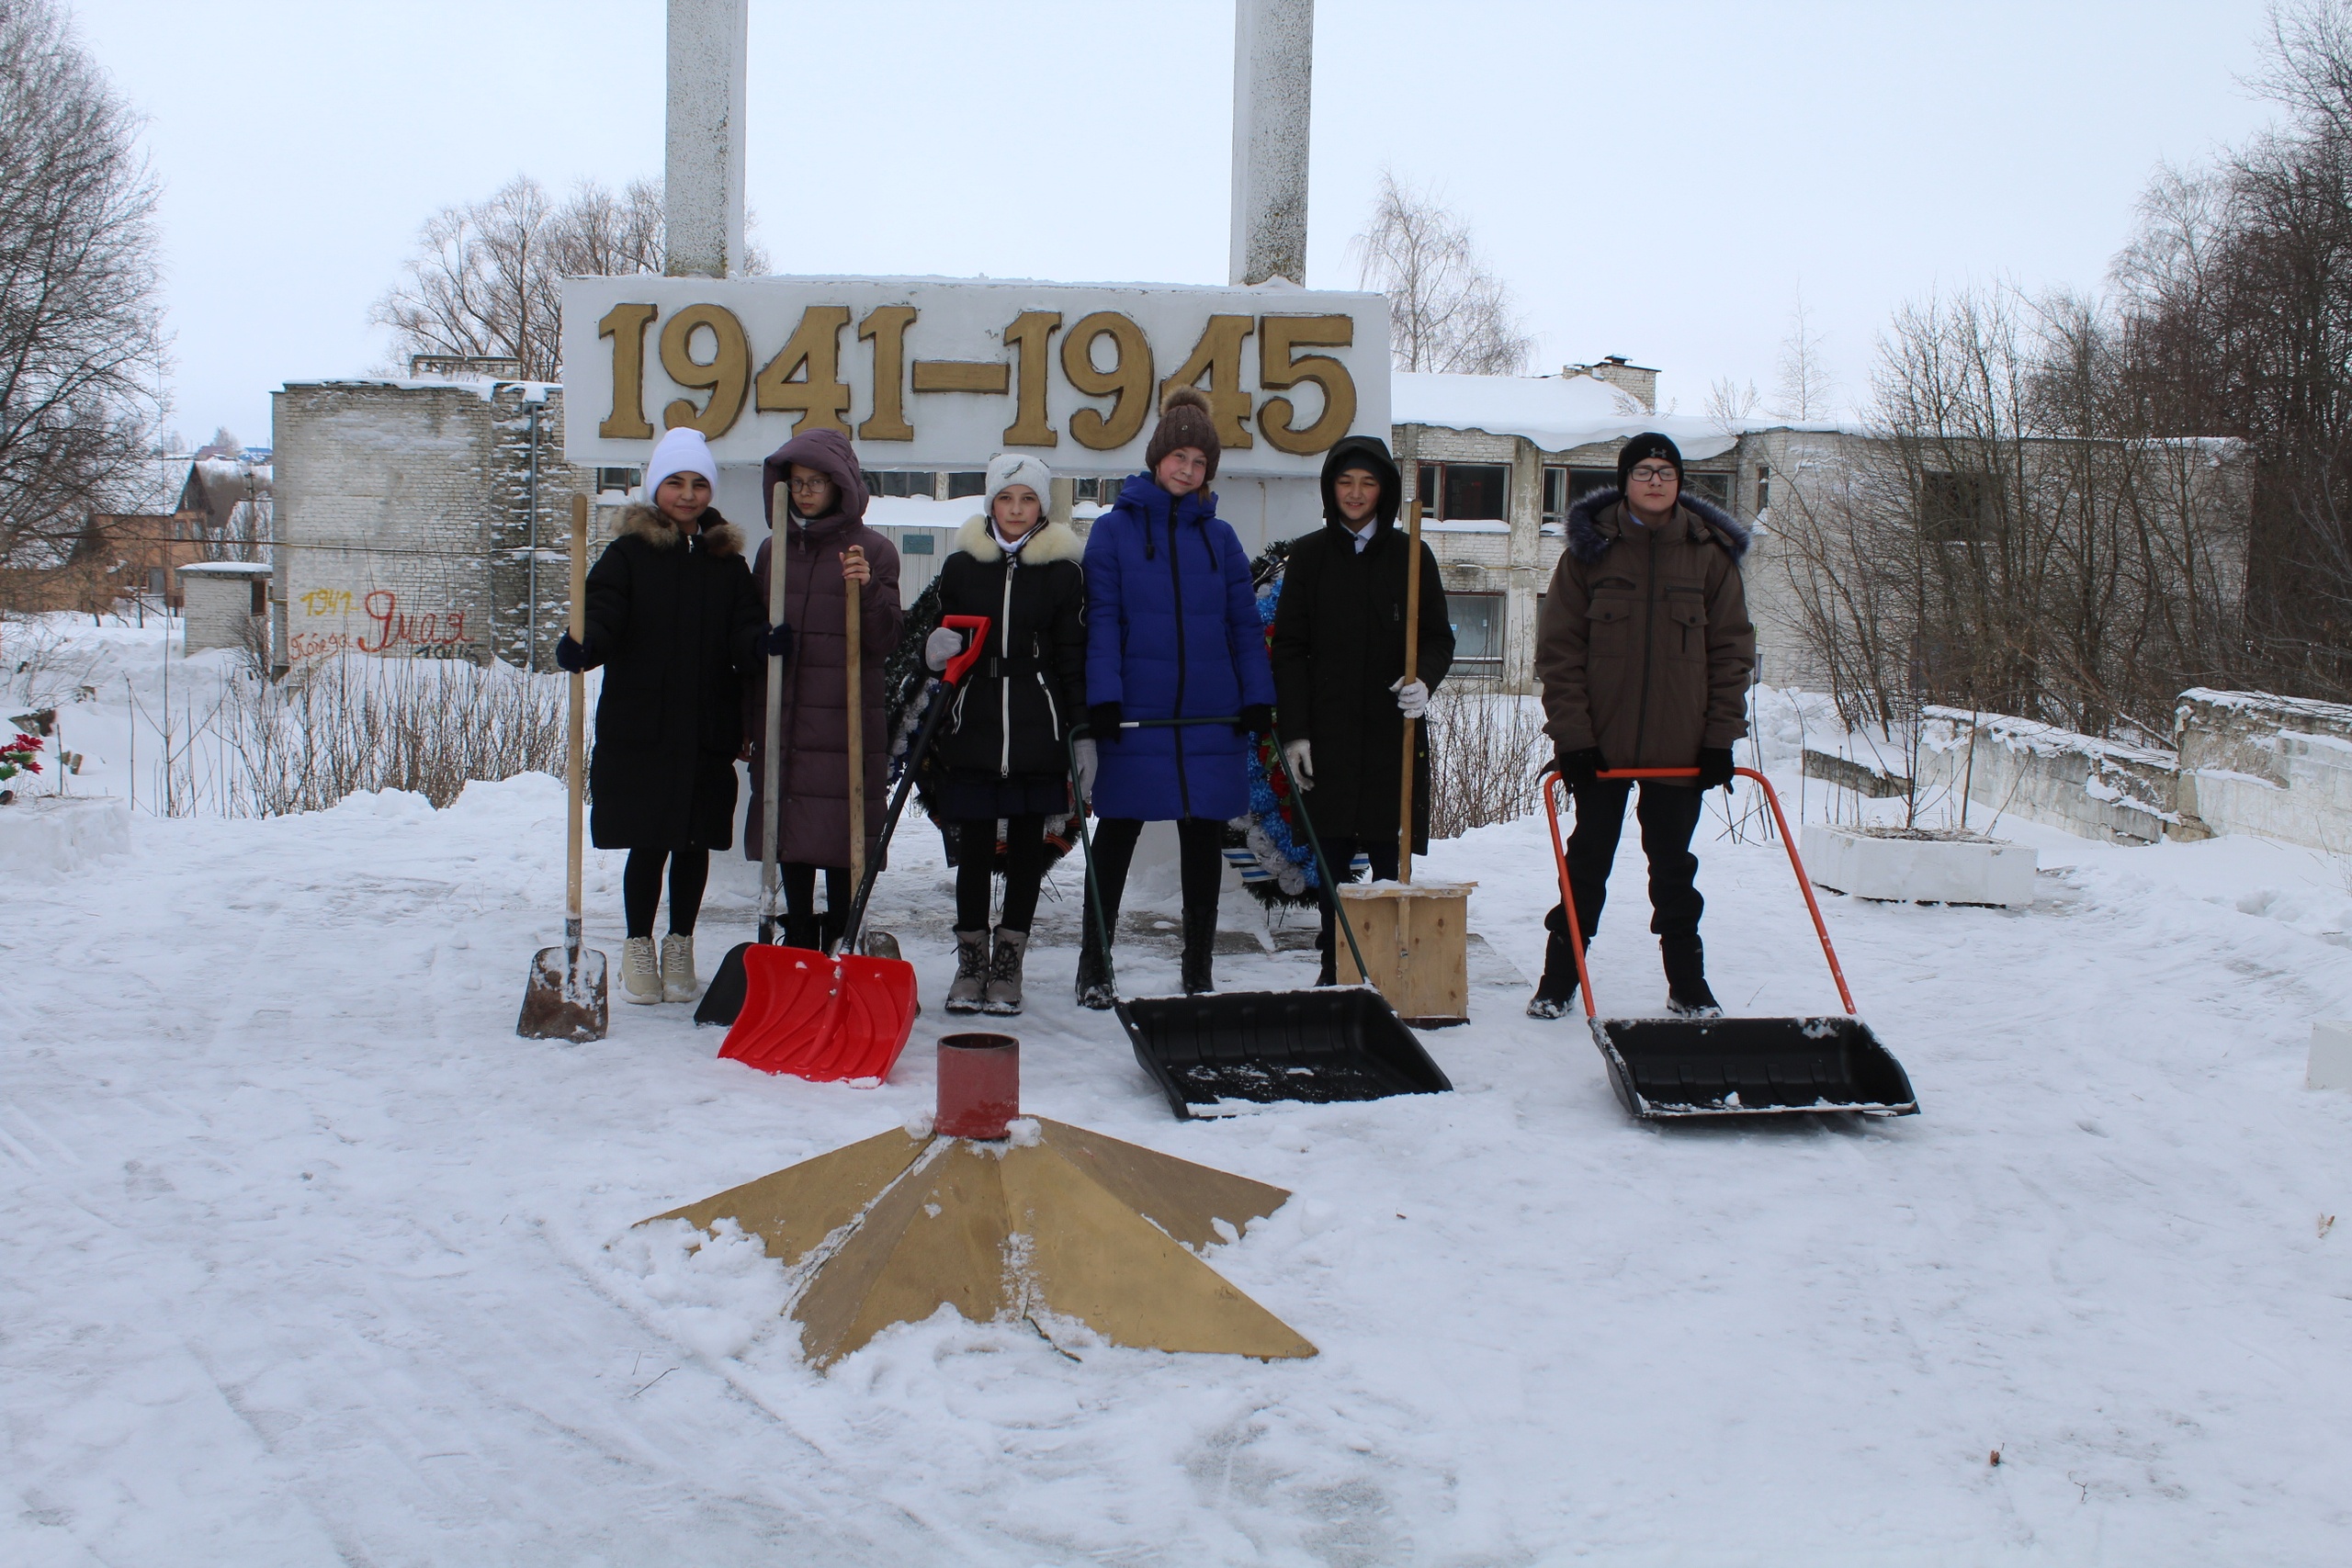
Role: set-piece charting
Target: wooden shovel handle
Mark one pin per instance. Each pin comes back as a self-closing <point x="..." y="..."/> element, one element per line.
<point x="853" y="632"/>
<point x="574" y="759"/>
<point x="1412" y="662"/>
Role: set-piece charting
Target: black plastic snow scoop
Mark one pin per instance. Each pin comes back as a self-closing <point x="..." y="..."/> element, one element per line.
<point x="1215" y="1053"/>
<point x="1670" y="1068"/>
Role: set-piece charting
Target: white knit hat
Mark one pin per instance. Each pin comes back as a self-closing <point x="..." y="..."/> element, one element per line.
<point x="682" y="451"/>
<point x="1018" y="468"/>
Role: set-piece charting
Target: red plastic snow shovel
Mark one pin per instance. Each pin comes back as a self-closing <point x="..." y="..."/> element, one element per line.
<point x="1671" y="1068"/>
<point x="828" y="1017"/>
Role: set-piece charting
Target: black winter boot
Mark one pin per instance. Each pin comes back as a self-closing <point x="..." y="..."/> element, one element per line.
<point x="1687" y="994"/>
<point x="1094" y="987"/>
<point x="798" y="931"/>
<point x="1199" y="948"/>
<point x="1558" y="987"/>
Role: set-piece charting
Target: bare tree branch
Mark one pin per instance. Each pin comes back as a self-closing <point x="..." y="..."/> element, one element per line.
<point x="1447" y="312"/>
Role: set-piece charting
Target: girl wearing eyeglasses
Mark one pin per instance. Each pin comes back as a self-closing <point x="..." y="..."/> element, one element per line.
<point x="817" y="498"/>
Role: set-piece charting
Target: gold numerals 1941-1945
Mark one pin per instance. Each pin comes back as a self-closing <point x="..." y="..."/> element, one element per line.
<point x="804" y="379"/>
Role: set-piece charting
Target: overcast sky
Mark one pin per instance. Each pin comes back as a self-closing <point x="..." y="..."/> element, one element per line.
<point x="1658" y="180"/>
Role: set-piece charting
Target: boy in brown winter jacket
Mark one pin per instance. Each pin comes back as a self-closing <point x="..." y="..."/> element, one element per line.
<point x="1643" y="651"/>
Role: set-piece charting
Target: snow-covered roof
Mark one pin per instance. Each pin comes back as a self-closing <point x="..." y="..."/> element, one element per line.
<point x="1556" y="412"/>
<point x="227" y="569"/>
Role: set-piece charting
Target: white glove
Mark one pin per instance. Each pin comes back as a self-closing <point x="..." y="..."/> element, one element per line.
<point x="1412" y="701"/>
<point x="941" y="645"/>
<point x="1299" y="757"/>
<point x="1089" y="760"/>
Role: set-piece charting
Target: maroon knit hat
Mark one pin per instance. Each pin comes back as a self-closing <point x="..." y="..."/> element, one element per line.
<point x="1185" y="420"/>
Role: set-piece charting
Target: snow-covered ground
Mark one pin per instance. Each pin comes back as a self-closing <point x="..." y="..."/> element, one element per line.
<point x="306" y="1259"/>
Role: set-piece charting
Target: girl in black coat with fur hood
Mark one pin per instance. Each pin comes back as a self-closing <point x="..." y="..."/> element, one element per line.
<point x="672" y="617"/>
<point x="1004" y="744"/>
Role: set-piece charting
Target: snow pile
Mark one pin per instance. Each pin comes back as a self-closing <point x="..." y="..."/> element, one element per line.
<point x="49" y="837"/>
<point x="1556" y="412"/>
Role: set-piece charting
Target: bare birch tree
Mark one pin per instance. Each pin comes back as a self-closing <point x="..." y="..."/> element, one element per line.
<point x="486" y="277"/>
<point x="1805" y="389"/>
<point x="81" y="343"/>
<point x="1447" y="311"/>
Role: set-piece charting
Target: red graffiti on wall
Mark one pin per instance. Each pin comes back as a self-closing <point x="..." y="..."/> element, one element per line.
<point x="417" y="633"/>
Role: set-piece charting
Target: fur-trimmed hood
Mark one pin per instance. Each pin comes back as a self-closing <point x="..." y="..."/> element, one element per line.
<point x="1589" y="541"/>
<point x="719" y="537"/>
<point x="1054" y="541"/>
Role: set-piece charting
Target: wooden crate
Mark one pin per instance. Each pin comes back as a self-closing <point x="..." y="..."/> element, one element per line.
<point x="1415" y="938"/>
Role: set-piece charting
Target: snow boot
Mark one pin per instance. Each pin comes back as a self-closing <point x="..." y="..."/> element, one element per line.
<point x="965" y="993"/>
<point x="679" y="983"/>
<point x="1558" y="988"/>
<point x="1003" y="993"/>
<point x="1094" y="989"/>
<point x="798" y="930"/>
<point x="1199" y="948"/>
<point x="640" y="972"/>
<point x="1687" y="994"/>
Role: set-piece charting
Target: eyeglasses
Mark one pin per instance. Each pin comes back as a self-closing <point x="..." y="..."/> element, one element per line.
<point x="1650" y="474"/>
<point x="817" y="486"/>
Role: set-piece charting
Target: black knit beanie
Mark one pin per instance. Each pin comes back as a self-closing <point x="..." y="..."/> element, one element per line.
<point x="1649" y="444"/>
<point x="1185" y="420"/>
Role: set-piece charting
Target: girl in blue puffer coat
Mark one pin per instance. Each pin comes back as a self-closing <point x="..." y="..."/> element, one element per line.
<point x="1172" y="632"/>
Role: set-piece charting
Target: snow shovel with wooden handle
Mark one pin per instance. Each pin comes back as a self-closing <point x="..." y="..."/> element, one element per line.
<point x="1674" y="1068"/>
<point x="722" y="1000"/>
<point x="565" y="998"/>
<point x="844" y="1015"/>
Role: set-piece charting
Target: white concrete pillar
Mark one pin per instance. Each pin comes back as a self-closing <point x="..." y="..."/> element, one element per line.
<point x="702" y="178"/>
<point x="1274" y="64"/>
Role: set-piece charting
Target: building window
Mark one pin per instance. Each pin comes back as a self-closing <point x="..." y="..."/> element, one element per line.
<point x="618" y="478"/>
<point x="1464" y="492"/>
<point x="1102" y="489"/>
<point x="1477" y="631"/>
<point x="261" y="598"/>
<point x="974" y="483"/>
<point x="1763" y="487"/>
<point x="155" y="585"/>
<point x="1715" y="487"/>
<point x="1555" y="497"/>
<point x="914" y="543"/>
<point x="901" y="484"/>
<point x="1584" y="481"/>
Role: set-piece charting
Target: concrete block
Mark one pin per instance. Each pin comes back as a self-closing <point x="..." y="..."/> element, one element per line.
<point x="1918" y="869"/>
<point x="2330" y="1059"/>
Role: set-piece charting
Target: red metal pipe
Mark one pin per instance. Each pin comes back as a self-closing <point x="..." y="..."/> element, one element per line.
<point x="980" y="1085"/>
<point x="1788" y="842"/>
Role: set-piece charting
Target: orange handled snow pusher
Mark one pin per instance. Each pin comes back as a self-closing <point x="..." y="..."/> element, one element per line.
<point x="844" y="1014"/>
<point x="1672" y="1067"/>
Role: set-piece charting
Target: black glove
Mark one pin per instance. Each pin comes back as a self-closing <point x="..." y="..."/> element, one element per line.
<point x="569" y="655"/>
<point x="775" y="643"/>
<point x="1715" y="767"/>
<point x="1103" y="723"/>
<point x="1257" y="718"/>
<point x="1576" y="769"/>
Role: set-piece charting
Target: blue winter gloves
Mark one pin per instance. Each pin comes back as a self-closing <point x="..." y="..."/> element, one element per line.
<point x="774" y="643"/>
<point x="1715" y="767"/>
<point x="571" y="656"/>
<point x="1103" y="721"/>
<point x="1581" y="768"/>
<point x="1257" y="718"/>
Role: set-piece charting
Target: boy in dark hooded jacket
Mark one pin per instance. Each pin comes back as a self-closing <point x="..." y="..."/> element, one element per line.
<point x="1338" y="660"/>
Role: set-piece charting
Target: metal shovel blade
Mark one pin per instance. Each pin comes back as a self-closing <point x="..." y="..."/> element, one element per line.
<point x="826" y="1018"/>
<point x="563" y="1002"/>
<point x="1669" y="1068"/>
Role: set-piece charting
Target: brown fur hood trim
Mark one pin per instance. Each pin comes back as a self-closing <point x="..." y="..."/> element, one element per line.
<point x="721" y="537"/>
<point x="1054" y="541"/>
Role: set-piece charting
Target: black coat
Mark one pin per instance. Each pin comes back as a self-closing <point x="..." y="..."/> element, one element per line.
<point x="674" y="622"/>
<point x="1339" y="643"/>
<point x="1013" y="712"/>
